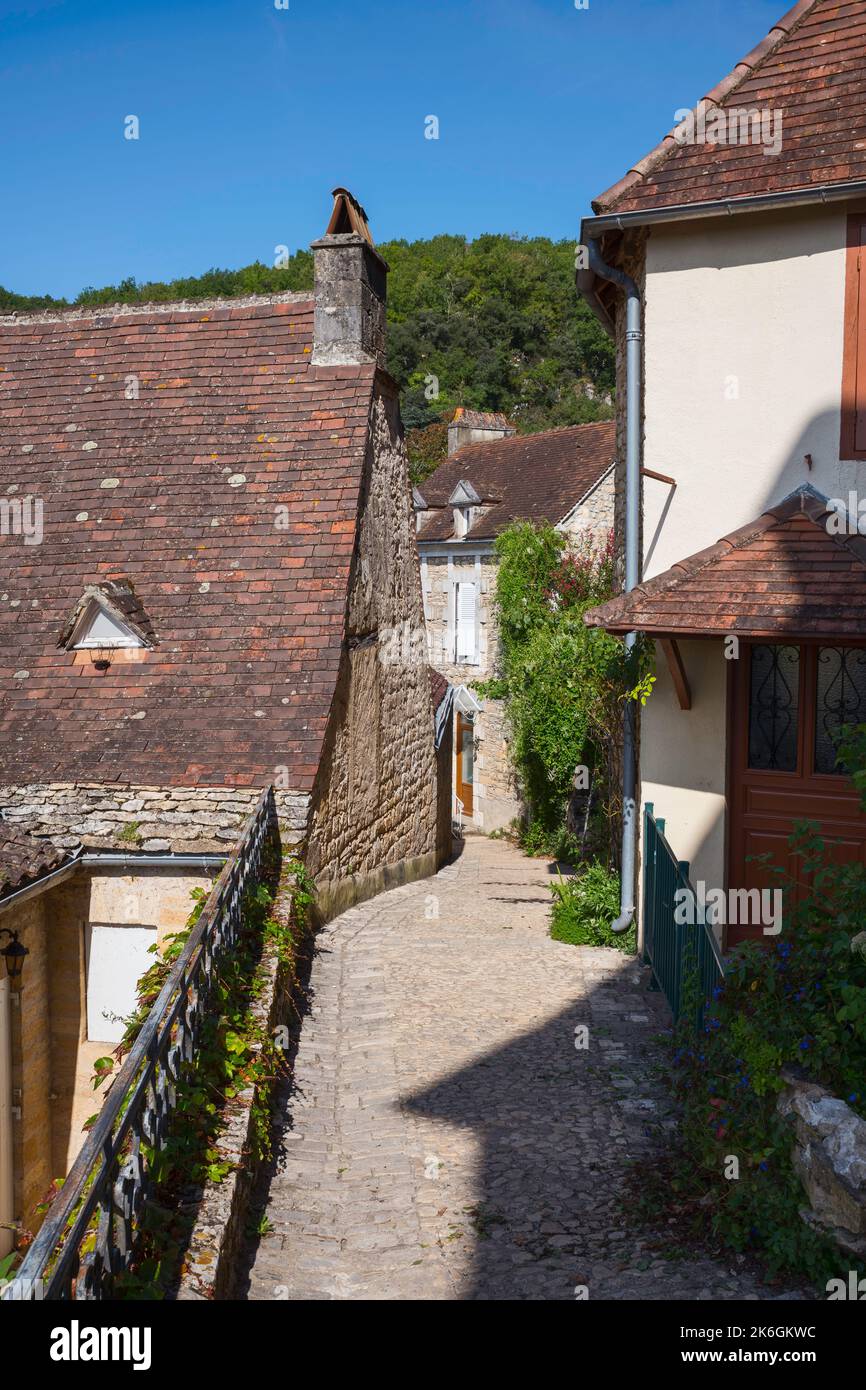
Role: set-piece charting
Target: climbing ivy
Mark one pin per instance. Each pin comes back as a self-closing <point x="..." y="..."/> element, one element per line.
<point x="235" y="1054"/>
<point x="563" y="683"/>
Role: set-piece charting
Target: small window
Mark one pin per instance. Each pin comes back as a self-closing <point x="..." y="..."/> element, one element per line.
<point x="466" y="649"/>
<point x="462" y="521"/>
<point x="853" y="439"/>
<point x="98" y="628"/>
<point x="841" y="699"/>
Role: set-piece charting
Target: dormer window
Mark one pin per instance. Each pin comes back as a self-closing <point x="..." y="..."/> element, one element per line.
<point x="107" y="617"/>
<point x="463" y="499"/>
<point x="98" y="628"/>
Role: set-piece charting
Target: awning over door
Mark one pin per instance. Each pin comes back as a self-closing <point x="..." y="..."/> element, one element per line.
<point x="793" y="572"/>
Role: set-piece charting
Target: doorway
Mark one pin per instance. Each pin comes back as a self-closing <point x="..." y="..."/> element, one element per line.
<point x="464" y="750"/>
<point x="787" y="701"/>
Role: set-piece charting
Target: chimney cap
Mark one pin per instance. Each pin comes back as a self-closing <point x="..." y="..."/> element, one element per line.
<point x="348" y="216"/>
<point x="482" y="419"/>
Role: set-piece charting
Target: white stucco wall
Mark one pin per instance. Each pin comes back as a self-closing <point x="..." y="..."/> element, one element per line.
<point x="744" y="336"/>
<point x="747" y="305"/>
<point x="683" y="759"/>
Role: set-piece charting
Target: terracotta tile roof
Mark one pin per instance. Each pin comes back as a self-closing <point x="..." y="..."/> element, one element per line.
<point x="811" y="68"/>
<point x="192" y="451"/>
<point x="783" y="574"/>
<point x="439" y="686"/>
<point x="24" y="859"/>
<point x="536" y="477"/>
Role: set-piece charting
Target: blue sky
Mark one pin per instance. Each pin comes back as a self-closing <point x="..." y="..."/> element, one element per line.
<point x="250" y="114"/>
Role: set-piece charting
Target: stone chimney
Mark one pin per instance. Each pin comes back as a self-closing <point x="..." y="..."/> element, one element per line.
<point x="350" y="290"/>
<point x="476" y="427"/>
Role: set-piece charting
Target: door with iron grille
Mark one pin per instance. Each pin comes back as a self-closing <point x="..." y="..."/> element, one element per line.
<point x="787" y="702"/>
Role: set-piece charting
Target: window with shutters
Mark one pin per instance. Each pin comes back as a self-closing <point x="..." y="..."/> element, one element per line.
<point x="466" y="645"/>
<point x="853" y="441"/>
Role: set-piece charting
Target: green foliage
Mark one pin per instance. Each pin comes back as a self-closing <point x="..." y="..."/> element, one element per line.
<point x="584" y="907"/>
<point x="130" y="834"/>
<point x="235" y="1055"/>
<point x="800" y="1001"/>
<point x="496" y="321"/>
<point x="563" y="683"/>
<point x="427" y="447"/>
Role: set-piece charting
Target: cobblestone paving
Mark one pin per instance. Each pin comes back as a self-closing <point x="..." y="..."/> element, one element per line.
<point x="445" y="1139"/>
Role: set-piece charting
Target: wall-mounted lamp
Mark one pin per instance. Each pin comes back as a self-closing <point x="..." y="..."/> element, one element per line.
<point x="13" y="954"/>
<point x="100" y="658"/>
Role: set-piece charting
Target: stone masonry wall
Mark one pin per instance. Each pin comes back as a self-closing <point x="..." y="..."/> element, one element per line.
<point x="596" y="514"/>
<point x="497" y="801"/>
<point x="374" y="806"/>
<point x="204" y="820"/>
<point x="31" y="1064"/>
<point x="496" y="798"/>
<point x="829" y="1155"/>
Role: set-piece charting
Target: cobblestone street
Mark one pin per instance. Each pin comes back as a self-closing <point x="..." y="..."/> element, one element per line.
<point x="444" y="1138"/>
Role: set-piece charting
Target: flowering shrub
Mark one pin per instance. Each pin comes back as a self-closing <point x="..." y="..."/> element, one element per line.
<point x="799" y="1001"/>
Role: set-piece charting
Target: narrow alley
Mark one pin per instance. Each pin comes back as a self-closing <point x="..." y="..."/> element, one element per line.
<point x="445" y="1137"/>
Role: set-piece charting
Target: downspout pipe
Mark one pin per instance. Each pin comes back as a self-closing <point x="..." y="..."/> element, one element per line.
<point x="634" y="345"/>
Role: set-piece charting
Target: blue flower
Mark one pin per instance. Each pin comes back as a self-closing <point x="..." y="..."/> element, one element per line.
<point x="805" y="1045"/>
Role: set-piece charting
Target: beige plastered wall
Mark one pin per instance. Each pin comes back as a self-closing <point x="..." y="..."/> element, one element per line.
<point x="743" y="373"/>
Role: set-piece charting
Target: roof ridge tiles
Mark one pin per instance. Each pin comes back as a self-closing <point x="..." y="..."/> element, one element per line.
<point x="745" y="68"/>
<point x="87" y="313"/>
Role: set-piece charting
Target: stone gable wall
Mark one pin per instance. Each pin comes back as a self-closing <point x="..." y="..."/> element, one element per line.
<point x="374" y="806"/>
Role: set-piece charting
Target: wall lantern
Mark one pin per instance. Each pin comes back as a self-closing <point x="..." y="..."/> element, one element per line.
<point x="13" y="954"/>
<point x="100" y="658"/>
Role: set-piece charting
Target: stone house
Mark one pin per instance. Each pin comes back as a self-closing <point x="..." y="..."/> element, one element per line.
<point x="746" y="268"/>
<point x="212" y="552"/>
<point x="491" y="478"/>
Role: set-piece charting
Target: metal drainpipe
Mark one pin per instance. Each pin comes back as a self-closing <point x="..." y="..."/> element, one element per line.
<point x="634" y="341"/>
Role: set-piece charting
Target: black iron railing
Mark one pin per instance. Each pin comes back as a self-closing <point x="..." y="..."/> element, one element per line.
<point x="109" y="1182"/>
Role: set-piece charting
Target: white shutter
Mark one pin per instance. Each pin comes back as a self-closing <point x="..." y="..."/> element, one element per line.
<point x="465" y="606"/>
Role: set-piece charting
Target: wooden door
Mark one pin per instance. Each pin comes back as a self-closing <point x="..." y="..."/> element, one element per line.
<point x="786" y="702"/>
<point x="464" y="749"/>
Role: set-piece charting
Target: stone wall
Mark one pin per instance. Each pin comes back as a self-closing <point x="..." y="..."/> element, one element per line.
<point x="595" y="514"/>
<point x="497" y="799"/>
<point x="829" y="1155"/>
<point x="374" y="804"/>
<point x="440" y="573"/>
<point x="203" y="820"/>
<point x="31" y="1063"/>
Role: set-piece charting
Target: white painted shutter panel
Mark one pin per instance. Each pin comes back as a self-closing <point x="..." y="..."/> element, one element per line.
<point x="465" y="622"/>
